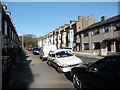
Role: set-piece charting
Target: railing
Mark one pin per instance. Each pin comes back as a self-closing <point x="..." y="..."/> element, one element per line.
<point x="10" y="46"/>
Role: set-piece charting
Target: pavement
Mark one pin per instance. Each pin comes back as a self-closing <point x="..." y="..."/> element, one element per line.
<point x="86" y="54"/>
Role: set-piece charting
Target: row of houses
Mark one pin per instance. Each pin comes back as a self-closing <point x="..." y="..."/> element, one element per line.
<point x="9" y="47"/>
<point x="87" y="35"/>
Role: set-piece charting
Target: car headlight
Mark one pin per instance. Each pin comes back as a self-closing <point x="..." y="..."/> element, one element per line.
<point x="80" y="61"/>
<point x="64" y="65"/>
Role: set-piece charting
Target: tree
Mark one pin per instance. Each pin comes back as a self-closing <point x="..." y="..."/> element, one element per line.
<point x="30" y="40"/>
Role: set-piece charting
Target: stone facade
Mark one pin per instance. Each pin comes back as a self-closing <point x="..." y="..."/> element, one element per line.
<point x="101" y="38"/>
<point x="88" y="35"/>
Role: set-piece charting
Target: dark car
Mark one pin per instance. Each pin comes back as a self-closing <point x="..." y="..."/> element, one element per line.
<point x="103" y="74"/>
<point x="36" y="50"/>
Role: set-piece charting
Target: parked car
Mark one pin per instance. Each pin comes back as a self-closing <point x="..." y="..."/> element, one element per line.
<point x="45" y="50"/>
<point x="29" y="49"/>
<point x="103" y="74"/>
<point x="63" y="60"/>
<point x="36" y="50"/>
<point x="68" y="48"/>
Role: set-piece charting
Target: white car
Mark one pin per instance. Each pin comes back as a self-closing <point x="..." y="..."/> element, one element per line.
<point x="63" y="60"/>
<point x="43" y="54"/>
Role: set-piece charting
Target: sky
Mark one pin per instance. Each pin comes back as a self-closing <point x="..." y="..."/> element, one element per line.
<point x="40" y="18"/>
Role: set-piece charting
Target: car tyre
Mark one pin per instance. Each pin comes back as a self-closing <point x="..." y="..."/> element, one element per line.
<point x="42" y="58"/>
<point x="58" y="69"/>
<point x="39" y="56"/>
<point x="49" y="63"/>
<point x="76" y="82"/>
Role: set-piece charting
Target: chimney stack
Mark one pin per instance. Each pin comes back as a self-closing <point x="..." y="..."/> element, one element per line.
<point x="4" y="6"/>
<point x="103" y="18"/>
<point x="8" y="13"/>
<point x="80" y="18"/>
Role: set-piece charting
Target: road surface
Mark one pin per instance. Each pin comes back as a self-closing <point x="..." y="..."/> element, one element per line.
<point x="35" y="73"/>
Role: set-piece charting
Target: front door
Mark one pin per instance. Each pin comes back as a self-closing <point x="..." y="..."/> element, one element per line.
<point x="118" y="45"/>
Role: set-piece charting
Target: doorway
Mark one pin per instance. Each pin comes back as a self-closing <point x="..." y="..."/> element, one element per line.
<point x="118" y="45"/>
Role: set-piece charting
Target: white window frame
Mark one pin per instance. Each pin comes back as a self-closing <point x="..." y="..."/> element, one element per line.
<point x="5" y="27"/>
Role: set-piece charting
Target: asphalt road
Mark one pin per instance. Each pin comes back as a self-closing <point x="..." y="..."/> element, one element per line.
<point x="35" y="73"/>
<point x="87" y="59"/>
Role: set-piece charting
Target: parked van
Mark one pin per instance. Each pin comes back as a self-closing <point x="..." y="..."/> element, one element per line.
<point x="45" y="50"/>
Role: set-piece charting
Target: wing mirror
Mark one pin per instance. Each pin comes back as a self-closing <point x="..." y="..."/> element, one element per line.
<point x="53" y="58"/>
<point x="95" y="70"/>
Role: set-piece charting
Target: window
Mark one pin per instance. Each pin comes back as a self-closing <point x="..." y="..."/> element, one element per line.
<point x="106" y="29"/>
<point x="5" y="28"/>
<point x="86" y="46"/>
<point x="117" y="26"/>
<point x="68" y="36"/>
<point x="50" y="53"/>
<point x="10" y="32"/>
<point x="96" y="31"/>
<point x="105" y="65"/>
<point x="14" y="36"/>
<point x="59" y="37"/>
<point x="53" y="55"/>
<point x="63" y="54"/>
<point x="97" y="45"/>
<point x="85" y="34"/>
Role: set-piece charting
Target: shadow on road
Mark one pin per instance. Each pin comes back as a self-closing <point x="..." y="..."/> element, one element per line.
<point x="24" y="76"/>
<point x="68" y="76"/>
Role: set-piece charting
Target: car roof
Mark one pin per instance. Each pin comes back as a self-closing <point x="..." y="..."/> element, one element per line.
<point x="66" y="48"/>
<point x="59" y="50"/>
<point x="36" y="47"/>
<point x="115" y="55"/>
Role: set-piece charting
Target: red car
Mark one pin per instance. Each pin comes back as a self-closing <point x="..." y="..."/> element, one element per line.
<point x="29" y="49"/>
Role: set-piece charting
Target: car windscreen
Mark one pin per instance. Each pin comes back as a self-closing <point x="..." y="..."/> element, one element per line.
<point x="63" y="54"/>
<point x="37" y="49"/>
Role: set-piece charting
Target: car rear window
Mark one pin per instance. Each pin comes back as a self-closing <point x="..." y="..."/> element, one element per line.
<point x="37" y="49"/>
<point x="63" y="54"/>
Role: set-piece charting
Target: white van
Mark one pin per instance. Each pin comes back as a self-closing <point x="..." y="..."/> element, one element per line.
<point x="45" y="50"/>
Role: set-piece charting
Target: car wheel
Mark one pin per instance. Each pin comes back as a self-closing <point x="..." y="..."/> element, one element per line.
<point x="58" y="69"/>
<point x="49" y="63"/>
<point x="42" y="58"/>
<point x="76" y="82"/>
